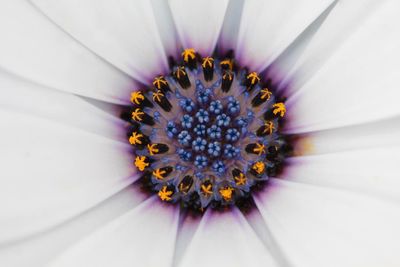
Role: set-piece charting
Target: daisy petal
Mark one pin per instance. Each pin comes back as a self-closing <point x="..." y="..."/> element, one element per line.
<point x="199" y="22"/>
<point x="124" y="33"/>
<point x="41" y="249"/>
<point x="268" y="27"/>
<point x="361" y="158"/>
<point x="54" y="172"/>
<point x="358" y="83"/>
<point x="316" y="226"/>
<point x="370" y="171"/>
<point x="144" y="236"/>
<point x="226" y="239"/>
<point x="34" y="48"/>
<point x="25" y="97"/>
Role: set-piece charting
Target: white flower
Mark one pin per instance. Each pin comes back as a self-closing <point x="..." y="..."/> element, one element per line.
<point x="66" y="168"/>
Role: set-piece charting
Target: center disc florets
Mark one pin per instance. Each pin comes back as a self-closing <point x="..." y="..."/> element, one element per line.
<point x="207" y="133"/>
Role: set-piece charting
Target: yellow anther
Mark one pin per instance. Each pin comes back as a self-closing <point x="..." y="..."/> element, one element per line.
<point x="269" y="127"/>
<point x="137" y="114"/>
<point x="265" y="93"/>
<point x="188" y="53"/>
<point x="207" y="189"/>
<point x="226" y="193"/>
<point x="279" y="108"/>
<point x="253" y="77"/>
<point x="240" y="180"/>
<point x="157" y="96"/>
<point x="159" y="174"/>
<point x="259" y="167"/>
<point x="227" y="62"/>
<point x="159" y="81"/>
<point x="165" y="194"/>
<point x="227" y="75"/>
<point x="207" y="61"/>
<point x="183" y="188"/>
<point x="180" y="72"/>
<point x="140" y="163"/>
<point x="137" y="97"/>
<point x="152" y="149"/>
<point x="260" y="149"/>
<point x="134" y="139"/>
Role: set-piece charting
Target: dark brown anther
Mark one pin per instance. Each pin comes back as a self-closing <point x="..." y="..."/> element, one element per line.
<point x="138" y="99"/>
<point x="182" y="77"/>
<point x="226" y="64"/>
<point x="139" y="139"/>
<point x="255" y="148"/>
<point x="160" y="83"/>
<point x="267" y="129"/>
<point x="189" y="58"/>
<point x="208" y="68"/>
<point x="227" y="79"/>
<point x="157" y="148"/>
<point x="185" y="185"/>
<point x="163" y="172"/>
<point x="261" y="97"/>
<point x="239" y="177"/>
<point x="140" y="116"/>
<point x="162" y="100"/>
<point x="252" y="80"/>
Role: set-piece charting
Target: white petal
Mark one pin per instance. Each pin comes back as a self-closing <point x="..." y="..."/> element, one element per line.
<point x="52" y="172"/>
<point x="384" y="133"/>
<point x="226" y="239"/>
<point x="41" y="249"/>
<point x="144" y="236"/>
<point x="36" y="49"/>
<point x="268" y="27"/>
<point x="25" y="97"/>
<point x="369" y="171"/>
<point x="358" y="83"/>
<point x="199" y="22"/>
<point x="122" y="32"/>
<point x="316" y="226"/>
<point x="361" y="158"/>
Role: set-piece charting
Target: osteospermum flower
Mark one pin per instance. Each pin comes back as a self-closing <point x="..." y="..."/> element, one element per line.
<point x="199" y="133"/>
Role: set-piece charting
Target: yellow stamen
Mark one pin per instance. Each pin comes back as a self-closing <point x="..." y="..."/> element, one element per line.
<point x="157" y="96"/>
<point x="279" y="108"/>
<point x="137" y="114"/>
<point x="135" y="138"/>
<point x="159" y="82"/>
<point x="140" y="163"/>
<point x="227" y="75"/>
<point x="207" y="61"/>
<point x="227" y="62"/>
<point x="137" y="97"/>
<point x="152" y="149"/>
<point x="241" y="179"/>
<point x="183" y="188"/>
<point x="269" y="127"/>
<point x="260" y="149"/>
<point x="188" y="53"/>
<point x="265" y="93"/>
<point x="253" y="77"/>
<point x="258" y="167"/>
<point x="226" y="193"/>
<point x="180" y="72"/>
<point x="207" y="189"/>
<point x="159" y="174"/>
<point x="165" y="194"/>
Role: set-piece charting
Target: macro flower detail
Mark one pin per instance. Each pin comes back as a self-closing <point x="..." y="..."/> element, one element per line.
<point x="204" y="143"/>
<point x="187" y="133"/>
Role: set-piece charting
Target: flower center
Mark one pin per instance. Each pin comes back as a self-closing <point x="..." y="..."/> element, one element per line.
<point x="207" y="133"/>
